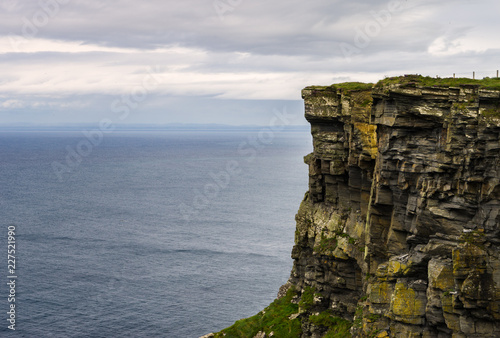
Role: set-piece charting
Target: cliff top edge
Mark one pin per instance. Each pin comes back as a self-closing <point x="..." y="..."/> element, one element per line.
<point x="414" y="81"/>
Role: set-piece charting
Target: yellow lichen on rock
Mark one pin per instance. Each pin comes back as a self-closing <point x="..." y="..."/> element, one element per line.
<point x="380" y="293"/>
<point x="406" y="305"/>
<point x="440" y="273"/>
<point x="368" y="133"/>
<point x="396" y="269"/>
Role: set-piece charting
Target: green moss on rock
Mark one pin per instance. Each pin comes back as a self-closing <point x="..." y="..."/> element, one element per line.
<point x="326" y="245"/>
<point x="307" y="299"/>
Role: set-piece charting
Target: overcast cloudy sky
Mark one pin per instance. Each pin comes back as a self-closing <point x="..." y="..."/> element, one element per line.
<point x="223" y="61"/>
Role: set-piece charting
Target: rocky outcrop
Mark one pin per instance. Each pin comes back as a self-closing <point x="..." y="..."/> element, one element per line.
<point x="399" y="231"/>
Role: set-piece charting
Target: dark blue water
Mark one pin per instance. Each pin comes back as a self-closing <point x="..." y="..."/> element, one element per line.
<point x="149" y="234"/>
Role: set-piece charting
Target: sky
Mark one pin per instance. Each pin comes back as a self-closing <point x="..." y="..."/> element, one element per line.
<point x="233" y="62"/>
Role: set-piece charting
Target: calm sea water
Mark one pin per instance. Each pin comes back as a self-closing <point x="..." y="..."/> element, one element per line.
<point x="151" y="234"/>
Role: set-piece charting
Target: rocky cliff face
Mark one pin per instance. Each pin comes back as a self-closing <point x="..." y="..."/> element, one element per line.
<point x="399" y="231"/>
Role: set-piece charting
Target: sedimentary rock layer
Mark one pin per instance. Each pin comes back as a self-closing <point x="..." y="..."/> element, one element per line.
<point x="399" y="231"/>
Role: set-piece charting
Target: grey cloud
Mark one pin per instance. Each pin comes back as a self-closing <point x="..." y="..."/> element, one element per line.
<point x="299" y="42"/>
<point x="260" y="27"/>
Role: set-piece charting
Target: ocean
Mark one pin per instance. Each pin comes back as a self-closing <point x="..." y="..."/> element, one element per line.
<point x="146" y="233"/>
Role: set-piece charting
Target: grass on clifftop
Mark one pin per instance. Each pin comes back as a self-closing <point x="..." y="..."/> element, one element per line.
<point x="346" y="86"/>
<point x="427" y="81"/>
<point x="424" y="81"/>
<point x="353" y="86"/>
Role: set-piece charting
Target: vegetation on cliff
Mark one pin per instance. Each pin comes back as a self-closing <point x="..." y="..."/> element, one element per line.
<point x="427" y="81"/>
<point x="424" y="81"/>
<point x="282" y="318"/>
<point x="275" y="318"/>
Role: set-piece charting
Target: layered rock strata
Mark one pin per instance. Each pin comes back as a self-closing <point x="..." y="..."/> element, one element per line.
<point x="399" y="231"/>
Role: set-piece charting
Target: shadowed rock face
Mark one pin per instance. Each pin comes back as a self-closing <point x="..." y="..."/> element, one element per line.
<point x="399" y="230"/>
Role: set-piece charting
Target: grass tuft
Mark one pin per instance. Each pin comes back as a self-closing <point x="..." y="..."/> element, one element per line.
<point x="275" y="318"/>
<point x="353" y="86"/>
<point x="337" y="327"/>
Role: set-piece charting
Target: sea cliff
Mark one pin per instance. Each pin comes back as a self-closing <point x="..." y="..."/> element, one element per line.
<point x="399" y="232"/>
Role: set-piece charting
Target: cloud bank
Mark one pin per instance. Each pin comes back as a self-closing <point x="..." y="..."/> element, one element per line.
<point x="223" y="61"/>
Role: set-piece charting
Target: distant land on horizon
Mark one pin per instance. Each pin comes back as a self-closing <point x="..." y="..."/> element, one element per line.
<point x="147" y="127"/>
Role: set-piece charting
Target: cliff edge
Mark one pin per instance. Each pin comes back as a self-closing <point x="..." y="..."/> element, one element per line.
<point x="399" y="233"/>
